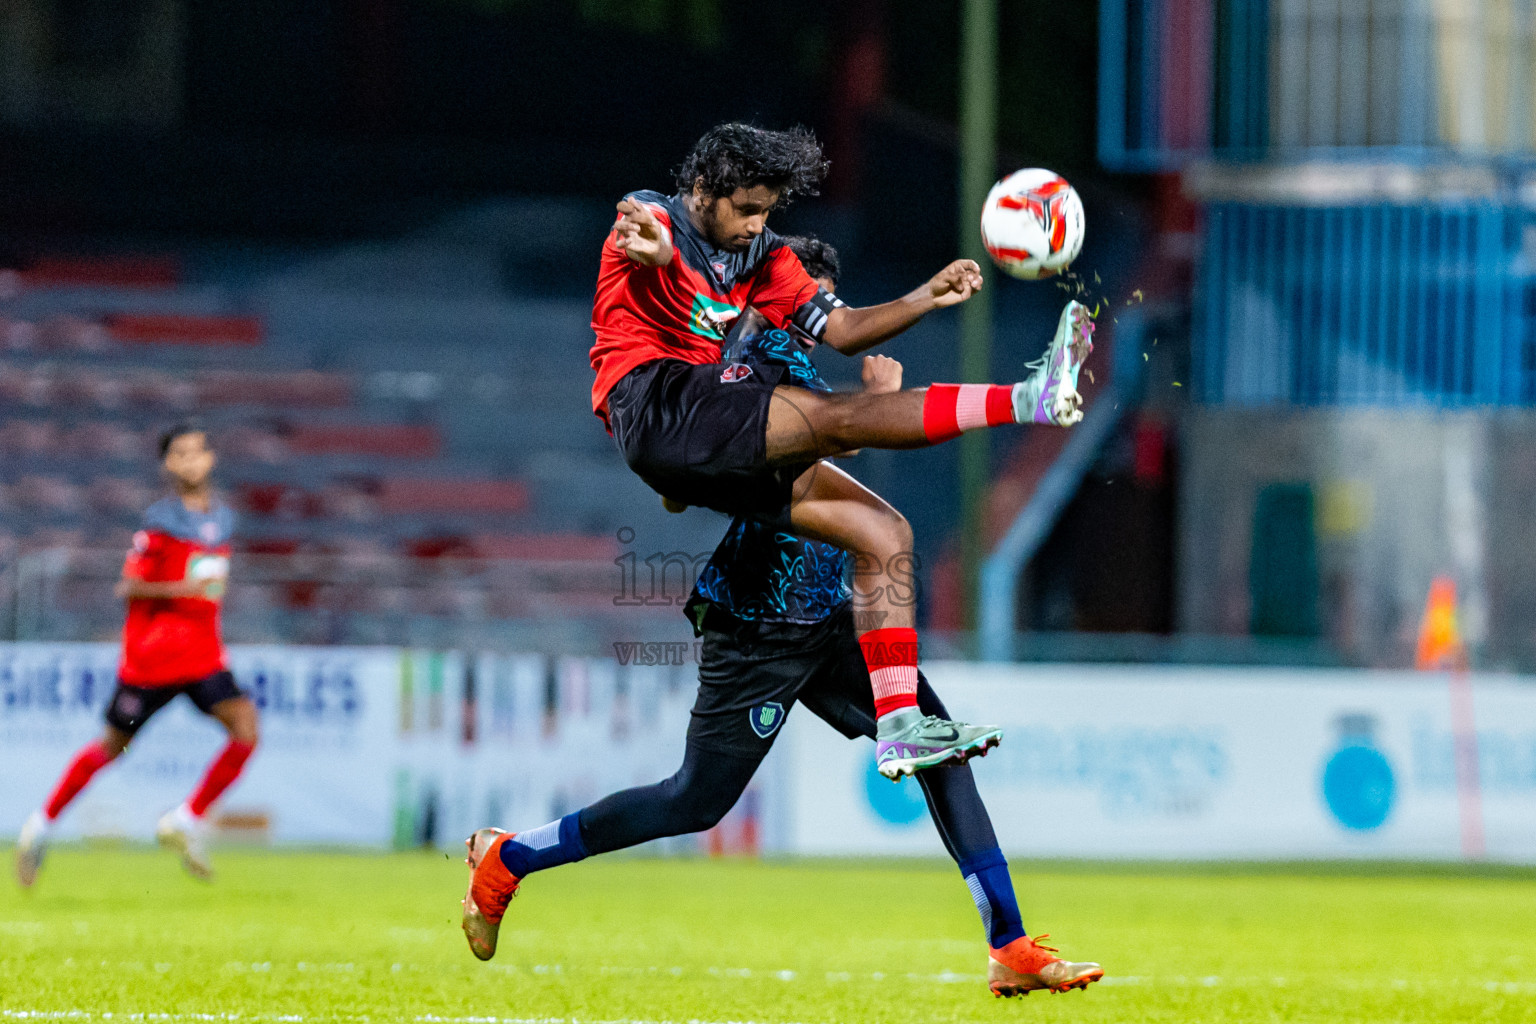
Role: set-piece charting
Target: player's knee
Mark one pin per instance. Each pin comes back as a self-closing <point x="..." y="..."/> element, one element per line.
<point x="889" y="534"/>
<point x="698" y="807"/>
<point x="244" y="724"/>
<point x="705" y="813"/>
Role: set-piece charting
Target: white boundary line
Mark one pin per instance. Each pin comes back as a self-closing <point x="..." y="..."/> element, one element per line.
<point x="295" y="1018"/>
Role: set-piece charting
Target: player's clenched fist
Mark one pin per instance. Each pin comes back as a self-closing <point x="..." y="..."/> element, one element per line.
<point x="882" y="375"/>
<point x="643" y="238"/>
<point x="955" y="283"/>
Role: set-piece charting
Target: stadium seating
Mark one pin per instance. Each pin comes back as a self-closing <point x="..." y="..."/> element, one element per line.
<point x="386" y="447"/>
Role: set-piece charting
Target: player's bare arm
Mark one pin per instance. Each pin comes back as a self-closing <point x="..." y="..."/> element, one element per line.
<point x="642" y="237"/>
<point x="851" y="330"/>
<point x="133" y="587"/>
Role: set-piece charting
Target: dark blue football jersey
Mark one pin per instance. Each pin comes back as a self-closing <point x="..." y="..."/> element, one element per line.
<point x="760" y="573"/>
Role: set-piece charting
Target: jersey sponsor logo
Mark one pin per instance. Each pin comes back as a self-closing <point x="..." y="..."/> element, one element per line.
<point x="735" y="372"/>
<point x="710" y="318"/>
<point x="766" y="718"/>
<point x="214" y="569"/>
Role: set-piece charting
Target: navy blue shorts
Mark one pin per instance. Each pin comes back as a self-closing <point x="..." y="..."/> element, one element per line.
<point x="752" y="673"/>
<point x="132" y="706"/>
<point x="699" y="435"/>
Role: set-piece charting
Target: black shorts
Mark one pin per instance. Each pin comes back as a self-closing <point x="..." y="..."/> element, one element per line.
<point x="751" y="674"/>
<point x="699" y="435"/>
<point x="132" y="706"/>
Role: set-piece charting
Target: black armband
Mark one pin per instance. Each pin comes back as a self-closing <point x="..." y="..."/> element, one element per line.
<point x="811" y="317"/>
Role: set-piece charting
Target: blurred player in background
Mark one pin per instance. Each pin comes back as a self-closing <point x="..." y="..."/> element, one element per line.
<point x="173" y="580"/>
<point x="776" y="615"/>
<point x="675" y="274"/>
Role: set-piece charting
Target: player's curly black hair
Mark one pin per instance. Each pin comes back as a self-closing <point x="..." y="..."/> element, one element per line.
<point x="735" y="155"/>
<point x="180" y="428"/>
<point x="817" y="257"/>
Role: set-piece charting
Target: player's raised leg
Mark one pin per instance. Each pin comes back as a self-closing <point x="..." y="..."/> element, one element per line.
<point x="833" y="507"/>
<point x="693" y="799"/>
<point x="185" y="828"/>
<point x="36" y="833"/>
<point x="805" y="425"/>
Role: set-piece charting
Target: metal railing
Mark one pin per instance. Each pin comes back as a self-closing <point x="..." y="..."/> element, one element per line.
<point x="554" y="605"/>
<point x="1286" y="79"/>
<point x="997" y="633"/>
<point x="1375" y="303"/>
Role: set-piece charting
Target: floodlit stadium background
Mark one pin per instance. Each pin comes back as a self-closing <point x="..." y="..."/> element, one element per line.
<point x="359" y="240"/>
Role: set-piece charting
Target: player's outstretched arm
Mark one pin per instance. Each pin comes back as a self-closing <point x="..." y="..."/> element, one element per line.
<point x="132" y="587"/>
<point x="641" y="236"/>
<point x="851" y="330"/>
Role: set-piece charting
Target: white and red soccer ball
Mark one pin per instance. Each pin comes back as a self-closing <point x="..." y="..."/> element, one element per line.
<point x="1032" y="224"/>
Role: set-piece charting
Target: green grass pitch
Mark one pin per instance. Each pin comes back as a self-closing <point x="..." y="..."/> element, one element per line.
<point x="290" y="938"/>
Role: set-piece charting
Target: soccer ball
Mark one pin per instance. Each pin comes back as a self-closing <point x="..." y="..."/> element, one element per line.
<point x="1032" y="224"/>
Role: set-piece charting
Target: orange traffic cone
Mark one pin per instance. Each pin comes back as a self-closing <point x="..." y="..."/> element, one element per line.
<point x="1440" y="645"/>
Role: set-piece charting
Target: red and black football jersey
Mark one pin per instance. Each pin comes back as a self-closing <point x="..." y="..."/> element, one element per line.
<point x="684" y="309"/>
<point x="170" y="641"/>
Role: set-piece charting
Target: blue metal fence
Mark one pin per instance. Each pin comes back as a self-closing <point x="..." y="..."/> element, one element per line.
<point x="1367" y="304"/>
<point x="1257" y="79"/>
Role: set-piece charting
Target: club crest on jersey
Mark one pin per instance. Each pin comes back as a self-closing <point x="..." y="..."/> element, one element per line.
<point x="710" y="318"/>
<point x="766" y="718"/>
<point x="735" y="372"/>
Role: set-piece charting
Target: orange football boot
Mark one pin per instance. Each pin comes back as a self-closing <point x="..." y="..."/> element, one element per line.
<point x="491" y="888"/>
<point x="1024" y="965"/>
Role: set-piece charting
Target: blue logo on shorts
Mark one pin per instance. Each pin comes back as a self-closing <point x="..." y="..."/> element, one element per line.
<point x="765" y="718"/>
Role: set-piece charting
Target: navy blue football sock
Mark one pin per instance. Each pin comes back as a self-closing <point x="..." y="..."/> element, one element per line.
<point x="547" y="846"/>
<point x="986" y="875"/>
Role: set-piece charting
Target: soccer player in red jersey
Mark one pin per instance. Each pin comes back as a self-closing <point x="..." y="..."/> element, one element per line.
<point x="173" y="579"/>
<point x="676" y="272"/>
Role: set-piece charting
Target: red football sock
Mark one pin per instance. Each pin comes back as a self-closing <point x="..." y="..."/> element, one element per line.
<point x="949" y="410"/>
<point x="891" y="655"/>
<point x="224" y="770"/>
<point x="91" y="759"/>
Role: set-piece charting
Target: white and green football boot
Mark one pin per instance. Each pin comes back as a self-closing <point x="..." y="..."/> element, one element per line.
<point x="1050" y="394"/>
<point x="909" y="741"/>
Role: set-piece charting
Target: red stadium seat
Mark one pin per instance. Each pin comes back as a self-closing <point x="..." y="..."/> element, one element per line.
<point x="403" y="441"/>
<point x="182" y="329"/>
<point x="553" y="547"/>
<point x="103" y="271"/>
<point x="287" y="389"/>
<point x="426" y="494"/>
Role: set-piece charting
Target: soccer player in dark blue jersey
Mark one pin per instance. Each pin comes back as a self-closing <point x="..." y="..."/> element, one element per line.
<point x="775" y="614"/>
